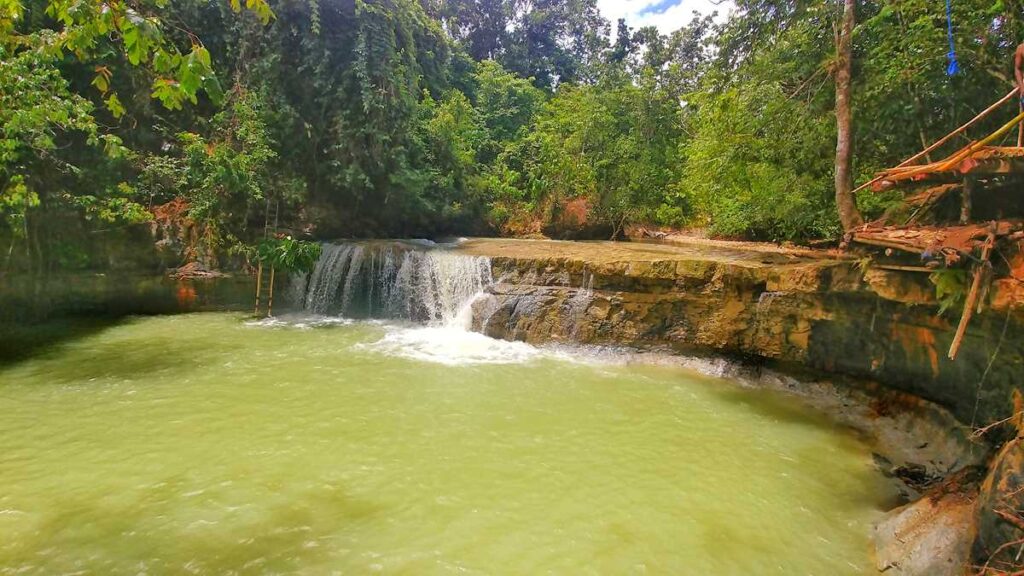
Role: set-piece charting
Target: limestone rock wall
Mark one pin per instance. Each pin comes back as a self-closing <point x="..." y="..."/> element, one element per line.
<point x="822" y="313"/>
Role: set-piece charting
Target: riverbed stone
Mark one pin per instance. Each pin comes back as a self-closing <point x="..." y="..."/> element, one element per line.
<point x="931" y="536"/>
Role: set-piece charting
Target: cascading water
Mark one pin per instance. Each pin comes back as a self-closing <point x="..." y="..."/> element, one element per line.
<point x="579" y="302"/>
<point x="394" y="280"/>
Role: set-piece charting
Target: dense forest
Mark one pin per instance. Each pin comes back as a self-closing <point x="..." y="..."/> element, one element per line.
<point x="368" y="118"/>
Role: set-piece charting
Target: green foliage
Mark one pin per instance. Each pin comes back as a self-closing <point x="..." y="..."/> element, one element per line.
<point x="548" y="41"/>
<point x="611" y="144"/>
<point x="754" y="165"/>
<point x="55" y="156"/>
<point x="116" y="205"/>
<point x="904" y="98"/>
<point x="288" y="254"/>
<point x="37" y="111"/>
<point x="91" y="28"/>
<point x="507" y="105"/>
<point x="224" y="175"/>
<point x="950" y="287"/>
<point x="35" y="104"/>
<point x="16" y="199"/>
<point x="232" y="165"/>
<point x="409" y="118"/>
<point x="450" y="133"/>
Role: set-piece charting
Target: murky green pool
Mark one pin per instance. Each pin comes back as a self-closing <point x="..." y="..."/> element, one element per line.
<point x="203" y="444"/>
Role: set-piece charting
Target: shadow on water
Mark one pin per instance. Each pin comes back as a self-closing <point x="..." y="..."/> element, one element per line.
<point x="38" y="316"/>
<point x="21" y="341"/>
<point x="122" y="359"/>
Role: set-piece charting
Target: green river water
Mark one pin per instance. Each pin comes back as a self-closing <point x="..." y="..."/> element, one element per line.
<point x="207" y="444"/>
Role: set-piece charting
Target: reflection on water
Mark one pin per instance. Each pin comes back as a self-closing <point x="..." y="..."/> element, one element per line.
<point x="207" y="444"/>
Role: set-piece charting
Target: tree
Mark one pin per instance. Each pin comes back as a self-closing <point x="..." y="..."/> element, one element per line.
<point x="507" y="105"/>
<point x="87" y="29"/>
<point x="555" y="41"/>
<point x="900" y="79"/>
<point x="421" y="117"/>
<point x="51" y="136"/>
<point x="225" y="176"/>
<point x="756" y="164"/>
<point x="608" y="146"/>
<point x="480" y="26"/>
<point x="37" y="109"/>
<point x="625" y="42"/>
<point x="450" y="132"/>
<point x="846" y="204"/>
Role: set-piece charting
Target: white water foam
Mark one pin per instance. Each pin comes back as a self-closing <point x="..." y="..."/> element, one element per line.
<point x="451" y="343"/>
<point x="451" y="346"/>
<point x="438" y="288"/>
<point x="454" y="344"/>
<point x="300" y="321"/>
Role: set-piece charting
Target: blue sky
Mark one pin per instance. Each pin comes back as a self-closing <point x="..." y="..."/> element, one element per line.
<point x="667" y="15"/>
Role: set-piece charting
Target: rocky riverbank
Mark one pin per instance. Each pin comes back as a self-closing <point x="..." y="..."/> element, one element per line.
<point x="818" y="311"/>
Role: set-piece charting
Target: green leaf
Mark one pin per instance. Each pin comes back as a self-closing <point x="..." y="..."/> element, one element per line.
<point x="203" y="55"/>
<point x="213" y="89"/>
<point x="100" y="82"/>
<point x="114" y="105"/>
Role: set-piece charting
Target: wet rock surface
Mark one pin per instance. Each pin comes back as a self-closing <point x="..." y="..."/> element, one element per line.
<point x="931" y="535"/>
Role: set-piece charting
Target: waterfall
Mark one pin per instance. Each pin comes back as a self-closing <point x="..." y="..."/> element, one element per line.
<point x="579" y="302"/>
<point x="395" y="280"/>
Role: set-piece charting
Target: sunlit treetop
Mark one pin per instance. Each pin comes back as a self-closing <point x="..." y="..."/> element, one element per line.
<point x="87" y="28"/>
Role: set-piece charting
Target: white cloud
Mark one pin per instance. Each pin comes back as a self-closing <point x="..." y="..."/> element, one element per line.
<point x="672" y="18"/>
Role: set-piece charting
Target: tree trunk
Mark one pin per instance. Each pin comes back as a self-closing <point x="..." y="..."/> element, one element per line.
<point x="845" y="201"/>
